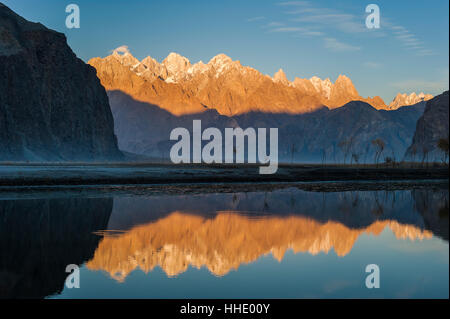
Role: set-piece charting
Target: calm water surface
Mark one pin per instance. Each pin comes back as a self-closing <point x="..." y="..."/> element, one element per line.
<point x="283" y="243"/>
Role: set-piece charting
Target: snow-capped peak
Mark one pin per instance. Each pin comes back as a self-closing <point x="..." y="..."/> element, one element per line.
<point x="221" y="62"/>
<point x="196" y="68"/>
<point x="322" y="85"/>
<point x="220" y="59"/>
<point x="405" y="99"/>
<point x="280" y="77"/>
<point x="125" y="58"/>
<point x="176" y="64"/>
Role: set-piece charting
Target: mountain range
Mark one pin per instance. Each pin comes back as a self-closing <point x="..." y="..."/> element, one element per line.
<point x="318" y="120"/>
<point x="225" y="85"/>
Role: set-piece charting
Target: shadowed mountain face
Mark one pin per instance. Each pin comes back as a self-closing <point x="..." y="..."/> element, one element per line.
<point x="313" y="137"/>
<point x="52" y="105"/>
<point x="40" y="237"/>
<point x="341" y="134"/>
<point x="431" y="126"/>
<point x="144" y="128"/>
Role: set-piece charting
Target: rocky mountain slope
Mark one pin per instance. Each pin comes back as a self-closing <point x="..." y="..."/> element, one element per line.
<point x="431" y="126"/>
<point x="311" y="137"/>
<point x="343" y="134"/>
<point x="52" y="105"/>
<point x="144" y="128"/>
<point x="222" y="84"/>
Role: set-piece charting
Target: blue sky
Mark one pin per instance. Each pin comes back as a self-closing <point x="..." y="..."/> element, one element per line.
<point x="305" y="38"/>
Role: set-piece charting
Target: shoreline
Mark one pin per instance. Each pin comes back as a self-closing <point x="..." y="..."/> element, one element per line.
<point x="79" y="175"/>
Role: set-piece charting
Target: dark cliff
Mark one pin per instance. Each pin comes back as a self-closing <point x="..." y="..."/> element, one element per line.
<point x="52" y="105"/>
<point x="431" y="127"/>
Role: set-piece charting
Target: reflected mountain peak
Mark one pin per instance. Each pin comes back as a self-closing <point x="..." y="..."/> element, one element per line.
<point x="227" y="241"/>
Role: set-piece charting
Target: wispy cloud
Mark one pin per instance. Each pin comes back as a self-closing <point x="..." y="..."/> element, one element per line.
<point x="338" y="46"/>
<point x="309" y="14"/>
<point x="408" y="40"/>
<point x="295" y="3"/>
<point x="344" y="22"/>
<point x="274" y="24"/>
<point x="297" y="30"/>
<point x="372" y="65"/>
<point x="306" y="19"/>
<point x="434" y="86"/>
<point x="425" y="52"/>
<point x="313" y="33"/>
<point x="122" y="49"/>
<point x="288" y="29"/>
<point x="256" y="19"/>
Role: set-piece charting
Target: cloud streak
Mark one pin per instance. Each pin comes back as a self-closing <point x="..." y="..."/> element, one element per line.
<point x="297" y="30"/>
<point x="274" y="24"/>
<point x="372" y="65"/>
<point x="408" y="40"/>
<point x="434" y="86"/>
<point x="338" y="46"/>
<point x="305" y="19"/>
<point x="295" y="3"/>
<point x="308" y="14"/>
<point x="256" y="19"/>
<point x="317" y="22"/>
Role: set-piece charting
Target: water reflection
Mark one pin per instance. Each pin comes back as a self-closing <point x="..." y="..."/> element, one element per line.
<point x="218" y="231"/>
<point x="227" y="241"/>
<point x="424" y="209"/>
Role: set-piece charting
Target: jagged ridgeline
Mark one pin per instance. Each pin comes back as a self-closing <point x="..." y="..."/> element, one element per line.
<point x="52" y="105"/>
<point x="318" y="121"/>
